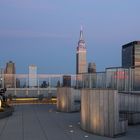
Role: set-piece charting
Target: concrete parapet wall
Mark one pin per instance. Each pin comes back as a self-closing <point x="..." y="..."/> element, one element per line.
<point x="129" y="102"/>
<point x="129" y="107"/>
<point x="66" y="98"/>
<point x="100" y="112"/>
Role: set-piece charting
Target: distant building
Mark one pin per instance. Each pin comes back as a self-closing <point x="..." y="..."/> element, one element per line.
<point x="131" y="58"/>
<point x="91" y="68"/>
<point x="17" y="83"/>
<point x="66" y="81"/>
<point x="90" y="77"/>
<point x="44" y="84"/>
<point x="32" y="76"/>
<point x="81" y="64"/>
<point x="9" y="75"/>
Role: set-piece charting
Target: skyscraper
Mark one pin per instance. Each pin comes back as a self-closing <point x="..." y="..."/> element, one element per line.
<point x="81" y="65"/>
<point x="131" y="58"/>
<point x="9" y="75"/>
<point x="131" y="54"/>
<point x="32" y="76"/>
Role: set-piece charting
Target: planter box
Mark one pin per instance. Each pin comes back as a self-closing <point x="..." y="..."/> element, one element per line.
<point x="8" y="112"/>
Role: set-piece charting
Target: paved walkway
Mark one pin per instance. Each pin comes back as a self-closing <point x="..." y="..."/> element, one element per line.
<point x="42" y="122"/>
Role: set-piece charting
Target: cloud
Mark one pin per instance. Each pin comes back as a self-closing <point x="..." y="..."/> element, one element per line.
<point x="29" y="4"/>
<point x="31" y="34"/>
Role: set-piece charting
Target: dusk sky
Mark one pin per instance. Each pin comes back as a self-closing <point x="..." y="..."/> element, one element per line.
<point x="46" y="32"/>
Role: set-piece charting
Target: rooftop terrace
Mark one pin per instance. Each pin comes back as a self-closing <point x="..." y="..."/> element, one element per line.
<point x="43" y="122"/>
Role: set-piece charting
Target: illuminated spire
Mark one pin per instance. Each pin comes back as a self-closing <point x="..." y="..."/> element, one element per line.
<point x="81" y="33"/>
<point x="81" y="42"/>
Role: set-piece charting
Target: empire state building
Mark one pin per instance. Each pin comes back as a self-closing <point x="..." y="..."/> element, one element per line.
<point x="81" y="66"/>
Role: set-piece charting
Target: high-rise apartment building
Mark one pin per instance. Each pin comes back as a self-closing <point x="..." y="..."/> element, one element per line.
<point x="32" y="76"/>
<point x="81" y="65"/>
<point x="9" y="75"/>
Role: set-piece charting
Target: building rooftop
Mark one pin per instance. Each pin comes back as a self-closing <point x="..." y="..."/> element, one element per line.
<point x="43" y="122"/>
<point x="131" y="44"/>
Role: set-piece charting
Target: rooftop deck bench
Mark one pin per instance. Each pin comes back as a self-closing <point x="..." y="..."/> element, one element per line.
<point x="8" y="112"/>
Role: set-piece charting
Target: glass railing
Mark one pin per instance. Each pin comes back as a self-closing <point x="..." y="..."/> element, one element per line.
<point x="118" y="78"/>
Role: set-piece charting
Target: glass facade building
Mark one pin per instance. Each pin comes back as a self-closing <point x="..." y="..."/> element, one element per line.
<point x="32" y="76"/>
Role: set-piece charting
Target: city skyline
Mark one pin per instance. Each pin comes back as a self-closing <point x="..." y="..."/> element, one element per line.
<point x="33" y="32"/>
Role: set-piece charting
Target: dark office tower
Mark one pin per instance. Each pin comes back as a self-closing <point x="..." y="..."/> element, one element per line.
<point x="17" y="83"/>
<point x="91" y="68"/>
<point x="131" y="54"/>
<point x="66" y="81"/>
<point x="81" y="66"/>
<point x="9" y="75"/>
<point x="131" y="58"/>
